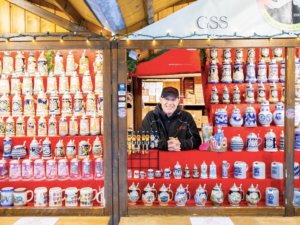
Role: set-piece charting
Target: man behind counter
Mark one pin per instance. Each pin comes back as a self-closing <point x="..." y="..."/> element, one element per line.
<point x="177" y="129"/>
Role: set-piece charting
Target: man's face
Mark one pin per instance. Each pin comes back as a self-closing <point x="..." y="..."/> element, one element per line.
<point x="169" y="104"/>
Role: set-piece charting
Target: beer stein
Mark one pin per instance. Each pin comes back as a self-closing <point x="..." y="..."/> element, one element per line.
<point x="73" y="124"/>
<point x="35" y="149"/>
<point x="42" y="127"/>
<point x="47" y="153"/>
<point x="133" y="194"/>
<point x="100" y="105"/>
<point x="55" y="196"/>
<point x="84" y="149"/>
<point x="261" y="93"/>
<point x="226" y="72"/>
<point x="39" y="170"/>
<point x="17" y="105"/>
<point x="3" y="170"/>
<point x="217" y="195"/>
<point x="20" y="127"/>
<point x="66" y="104"/>
<point x="63" y="83"/>
<point x="238" y="74"/>
<point x="2" y="127"/>
<point x="54" y="106"/>
<point x="20" y="63"/>
<point x="15" y="84"/>
<point x="1" y="72"/>
<point x="87" y="85"/>
<point x="78" y="104"/>
<point x="70" y="67"/>
<point x="10" y="127"/>
<point x="29" y="105"/>
<point x="102" y="126"/>
<point x="95" y="124"/>
<point x="249" y="94"/>
<point x="84" y="126"/>
<point x="31" y="64"/>
<point x="38" y="84"/>
<point x="262" y="71"/>
<point x="90" y="104"/>
<point x="4" y="85"/>
<point x="42" y="104"/>
<point x="60" y="151"/>
<point x="163" y="195"/>
<point x="273" y="71"/>
<point x="200" y="196"/>
<point x="148" y="195"/>
<point x="42" y="65"/>
<point x="99" y="83"/>
<point x="4" y="105"/>
<point x="71" y="196"/>
<point x="225" y="96"/>
<point x="86" y="196"/>
<point x="97" y="148"/>
<point x="74" y="83"/>
<point x="98" y="64"/>
<point x="14" y="170"/>
<point x="63" y="169"/>
<point x="83" y="63"/>
<point x="27" y="84"/>
<point x="19" y="151"/>
<point x="214" y="96"/>
<point x="63" y="126"/>
<point x="282" y="71"/>
<point x="273" y="93"/>
<point x="59" y="65"/>
<point x="31" y="127"/>
<point x="27" y="169"/>
<point x="51" y="169"/>
<point x="52" y="126"/>
<point x="71" y="149"/>
<point x="40" y="197"/>
<point x="75" y="169"/>
<point x="235" y="195"/>
<point x="51" y="83"/>
<point x="7" y="147"/>
<point x="87" y="169"/>
<point x="181" y="196"/>
<point x="8" y="64"/>
<point x="99" y="169"/>
<point x="213" y="77"/>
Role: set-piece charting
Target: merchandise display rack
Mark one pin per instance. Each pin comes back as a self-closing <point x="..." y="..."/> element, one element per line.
<point x="144" y="161"/>
<point x="20" y="43"/>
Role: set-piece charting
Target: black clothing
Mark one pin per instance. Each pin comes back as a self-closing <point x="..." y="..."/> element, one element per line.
<point x="180" y="124"/>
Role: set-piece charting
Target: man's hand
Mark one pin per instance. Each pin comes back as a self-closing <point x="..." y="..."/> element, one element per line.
<point x="174" y="145"/>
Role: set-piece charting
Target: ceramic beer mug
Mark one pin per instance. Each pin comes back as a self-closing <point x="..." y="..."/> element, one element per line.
<point x="35" y="149"/>
<point x="19" y="151"/>
<point x="40" y="196"/>
<point x="252" y="142"/>
<point x="3" y="170"/>
<point x="27" y="169"/>
<point x="20" y="196"/>
<point x="181" y="196"/>
<point x="86" y="196"/>
<point x="7" y="196"/>
<point x="163" y="195"/>
<point x="235" y="195"/>
<point x="46" y="148"/>
<point x="20" y="127"/>
<point x="259" y="170"/>
<point x="99" y="169"/>
<point x="84" y="149"/>
<point x="71" y="149"/>
<point x="225" y="168"/>
<point x="51" y="169"/>
<point x="97" y="148"/>
<point x="253" y="195"/>
<point x="55" y="196"/>
<point x="75" y="169"/>
<point x="276" y="170"/>
<point x="87" y="169"/>
<point x="133" y="194"/>
<point x="240" y="170"/>
<point x="177" y="171"/>
<point x="200" y="196"/>
<point x="167" y="173"/>
<point x="148" y="195"/>
<point x="272" y="196"/>
<point x="71" y="196"/>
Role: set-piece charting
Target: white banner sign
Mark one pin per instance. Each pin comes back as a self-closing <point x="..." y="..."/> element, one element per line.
<point x="227" y="19"/>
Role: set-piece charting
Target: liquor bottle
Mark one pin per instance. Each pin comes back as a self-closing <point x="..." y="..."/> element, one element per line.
<point x="156" y="139"/>
<point x="138" y="142"/>
<point x="152" y="139"/>
<point x="143" y="141"/>
<point x="133" y="141"/>
<point x="147" y="142"/>
<point x="129" y="143"/>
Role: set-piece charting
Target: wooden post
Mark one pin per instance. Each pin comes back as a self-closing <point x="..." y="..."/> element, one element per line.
<point x="289" y="132"/>
<point x="137" y="103"/>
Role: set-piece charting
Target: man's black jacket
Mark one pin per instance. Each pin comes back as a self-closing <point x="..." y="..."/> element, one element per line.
<point x="181" y="124"/>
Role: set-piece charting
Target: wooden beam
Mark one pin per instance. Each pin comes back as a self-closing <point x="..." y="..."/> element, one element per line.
<point x="47" y="15"/>
<point x="137" y="104"/>
<point x="289" y="132"/>
<point x="148" y="6"/>
<point x="69" y="10"/>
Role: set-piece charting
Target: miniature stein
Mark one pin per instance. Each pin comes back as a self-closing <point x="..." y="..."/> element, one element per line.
<point x="236" y="119"/>
<point x="99" y="83"/>
<point x="226" y="72"/>
<point x="8" y="64"/>
<point x="27" y="84"/>
<point x="148" y="196"/>
<point x="27" y="169"/>
<point x="78" y="104"/>
<point x="4" y="85"/>
<point x="17" y="105"/>
<point x="87" y="169"/>
<point x="214" y="96"/>
<point x="42" y="104"/>
<point x="84" y="126"/>
<point x="42" y="127"/>
<point x="19" y="151"/>
<point x="97" y="148"/>
<point x="63" y="83"/>
<point x="74" y="83"/>
<point x="47" y="153"/>
<point x="35" y="149"/>
<point x="250" y="117"/>
<point x="259" y="170"/>
<point x="2" y="127"/>
<point x="95" y="124"/>
<point x="4" y="105"/>
<point x="87" y="85"/>
<point x="15" y="84"/>
<point x="281" y="147"/>
<point x="278" y="115"/>
<point x="58" y="64"/>
<point x="234" y="195"/>
<point x="60" y="151"/>
<point x="236" y="144"/>
<point x="273" y="93"/>
<point x="7" y="147"/>
<point x="236" y="95"/>
<point x="31" y="64"/>
<point x="71" y="149"/>
<point x="39" y="170"/>
<point x="83" y="63"/>
<point x="282" y="71"/>
<point x="99" y="169"/>
<point x="221" y="118"/>
<point x="70" y="67"/>
<point x="73" y="124"/>
<point x="90" y="104"/>
<point x="249" y="94"/>
<point x="66" y="104"/>
<point x="217" y="196"/>
<point x="186" y="172"/>
<point x="3" y="170"/>
<point x="270" y="142"/>
<point x="212" y="171"/>
<point x="181" y="196"/>
<point x="225" y="96"/>
<point x="133" y="194"/>
<point x="225" y="167"/>
<point x="262" y="71"/>
<point x="20" y="63"/>
<point x="98" y="64"/>
<point x="51" y="83"/>
<point x="195" y="172"/>
<point x="163" y="195"/>
<point x="213" y="77"/>
<point x="238" y="73"/>
<point x="253" y="196"/>
<point x="75" y="169"/>
<point x="203" y="170"/>
<point x="265" y="116"/>
<point x="63" y="126"/>
<point x="250" y="74"/>
<point x="38" y="84"/>
<point x="200" y="196"/>
<point x="261" y="93"/>
<point x="14" y="170"/>
<point x="51" y="169"/>
<point x="177" y="171"/>
<point x="100" y="105"/>
<point x="273" y="71"/>
<point x="31" y="127"/>
<point x="52" y="127"/>
<point x="10" y="127"/>
<point x="29" y="105"/>
<point x="252" y="142"/>
<point x="63" y="169"/>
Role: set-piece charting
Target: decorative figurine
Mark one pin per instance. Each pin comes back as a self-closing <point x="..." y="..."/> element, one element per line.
<point x="273" y="71"/>
<point x="225" y="96"/>
<point x="250" y="117"/>
<point x="221" y="118"/>
<point x="262" y="71"/>
<point x="270" y="142"/>
<point x="218" y="141"/>
<point x="236" y="119"/>
<point x="213" y="77"/>
<point x="203" y="170"/>
<point x="181" y="196"/>
<point x="264" y="54"/>
<point x="217" y="196"/>
<point x="253" y="195"/>
<point x="236" y="95"/>
<point x="265" y="116"/>
<point x="200" y="196"/>
<point x="234" y="195"/>
<point x="214" y="96"/>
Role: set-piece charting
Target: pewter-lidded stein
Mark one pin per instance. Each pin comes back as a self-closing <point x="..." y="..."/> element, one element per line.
<point x="17" y="105"/>
<point x="27" y="84"/>
<point x="262" y="71"/>
<point x="225" y="97"/>
<point x="213" y="77"/>
<point x="78" y="104"/>
<point x="236" y="95"/>
<point x="70" y="67"/>
<point x="38" y="84"/>
<point x="97" y="148"/>
<point x="28" y="105"/>
<point x="71" y="149"/>
<point x="59" y="65"/>
<point x="249" y="94"/>
<point x="250" y="74"/>
<point x="15" y="84"/>
<point x="63" y="126"/>
<point x="214" y="96"/>
<point x="99" y="83"/>
<point x="52" y="126"/>
<point x="95" y="124"/>
<point x="87" y="85"/>
<point x="31" y="127"/>
<point x="83" y="63"/>
<point x="54" y="106"/>
<point x="84" y="126"/>
<point x="66" y="104"/>
<point x="4" y="85"/>
<point x="42" y="127"/>
<point x="273" y="71"/>
<point x="42" y="65"/>
<point x="51" y="83"/>
<point x="42" y="104"/>
<point x="74" y="83"/>
<point x="4" y="105"/>
<point x="226" y="72"/>
<point x="31" y="64"/>
<point x="90" y="104"/>
<point x="10" y="127"/>
<point x="8" y="64"/>
<point x="20" y="63"/>
<point x="20" y="127"/>
<point x="63" y="83"/>
<point x="238" y="73"/>
<point x="2" y="127"/>
<point x="73" y="124"/>
<point x="273" y="93"/>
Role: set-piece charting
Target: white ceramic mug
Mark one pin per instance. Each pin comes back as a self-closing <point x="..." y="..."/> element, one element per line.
<point x="7" y="196"/>
<point x="20" y="197"/>
<point x="40" y="196"/>
<point x="142" y="174"/>
<point x="55" y="196"/>
<point x="150" y="174"/>
<point x="71" y="196"/>
<point x="86" y="196"/>
<point x="136" y="174"/>
<point x="101" y="194"/>
<point x="259" y="170"/>
<point x="240" y="170"/>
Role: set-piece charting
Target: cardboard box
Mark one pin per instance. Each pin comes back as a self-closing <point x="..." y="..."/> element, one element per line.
<point x="159" y="85"/>
<point x="152" y="91"/>
<point x="197" y="115"/>
<point x="198" y="90"/>
<point x="197" y="80"/>
<point x="199" y="101"/>
<point x="146" y="85"/>
<point x="189" y="91"/>
<point x="152" y="98"/>
<point x="145" y="110"/>
<point x="157" y="98"/>
<point x="190" y="96"/>
<point x="204" y="119"/>
<point x="158" y="91"/>
<point x="187" y="101"/>
<point x="151" y="108"/>
<point x="152" y="85"/>
<point x="145" y="98"/>
<point x="145" y="92"/>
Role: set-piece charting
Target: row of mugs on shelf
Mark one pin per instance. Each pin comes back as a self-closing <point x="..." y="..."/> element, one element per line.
<point x="41" y="67"/>
<point x="40" y="170"/>
<point x="88" y="126"/>
<point x="182" y="195"/>
<point x="18" y="196"/>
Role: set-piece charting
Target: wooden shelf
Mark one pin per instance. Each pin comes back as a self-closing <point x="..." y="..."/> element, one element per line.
<point x="171" y="76"/>
<point x="297" y="210"/>
<point x="192" y="104"/>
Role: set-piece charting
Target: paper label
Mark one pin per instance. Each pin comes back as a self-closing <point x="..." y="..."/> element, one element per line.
<point x="36" y="221"/>
<point x="211" y="221"/>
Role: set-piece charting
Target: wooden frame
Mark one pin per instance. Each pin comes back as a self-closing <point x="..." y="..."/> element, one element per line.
<point x="53" y="43"/>
<point x="288" y="209"/>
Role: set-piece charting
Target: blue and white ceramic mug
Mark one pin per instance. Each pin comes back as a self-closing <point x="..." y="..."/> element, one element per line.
<point x="167" y="173"/>
<point x="225" y="167"/>
<point x="296" y="170"/>
<point x="150" y="174"/>
<point x="7" y="196"/>
<point x="240" y="170"/>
